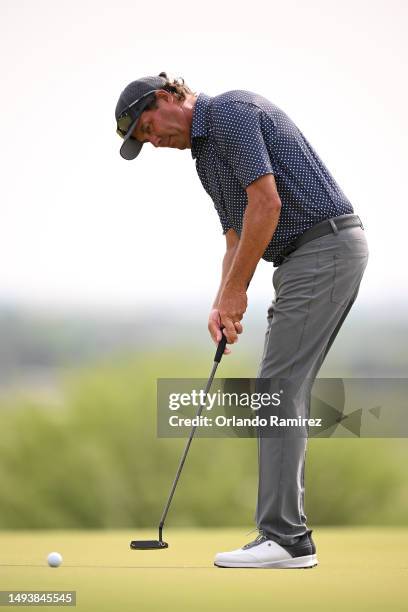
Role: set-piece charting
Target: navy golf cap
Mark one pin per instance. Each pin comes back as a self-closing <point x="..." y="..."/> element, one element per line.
<point x="132" y="102"/>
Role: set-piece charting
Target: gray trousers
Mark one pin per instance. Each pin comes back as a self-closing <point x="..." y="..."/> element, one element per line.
<point x="315" y="288"/>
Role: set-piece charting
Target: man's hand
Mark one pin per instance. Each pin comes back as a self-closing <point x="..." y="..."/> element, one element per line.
<point x="232" y="305"/>
<point x="215" y="328"/>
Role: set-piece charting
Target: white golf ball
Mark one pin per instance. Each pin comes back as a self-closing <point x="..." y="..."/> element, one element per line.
<point x="54" y="559"/>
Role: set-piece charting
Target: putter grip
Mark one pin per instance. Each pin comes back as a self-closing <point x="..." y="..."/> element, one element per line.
<point x="220" y="349"/>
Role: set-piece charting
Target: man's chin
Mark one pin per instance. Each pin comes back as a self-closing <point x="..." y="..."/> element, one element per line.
<point x="173" y="144"/>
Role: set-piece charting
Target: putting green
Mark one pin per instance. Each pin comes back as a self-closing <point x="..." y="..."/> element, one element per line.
<point x="360" y="569"/>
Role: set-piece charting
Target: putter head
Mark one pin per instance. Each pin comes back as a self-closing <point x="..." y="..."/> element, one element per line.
<point x="148" y="544"/>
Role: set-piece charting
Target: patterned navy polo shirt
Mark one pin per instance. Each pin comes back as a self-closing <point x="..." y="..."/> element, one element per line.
<point x="239" y="136"/>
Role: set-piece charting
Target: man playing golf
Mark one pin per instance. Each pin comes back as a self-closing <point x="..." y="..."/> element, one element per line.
<point x="277" y="201"/>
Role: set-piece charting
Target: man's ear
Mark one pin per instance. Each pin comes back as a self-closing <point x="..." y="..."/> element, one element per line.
<point x="162" y="94"/>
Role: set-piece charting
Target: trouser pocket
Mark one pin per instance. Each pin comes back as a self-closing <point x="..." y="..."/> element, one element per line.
<point x="347" y="275"/>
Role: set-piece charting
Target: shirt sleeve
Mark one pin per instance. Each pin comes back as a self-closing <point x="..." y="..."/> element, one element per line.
<point x="238" y="135"/>
<point x="226" y="225"/>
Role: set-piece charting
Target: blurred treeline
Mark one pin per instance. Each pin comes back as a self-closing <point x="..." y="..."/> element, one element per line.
<point x="90" y="457"/>
<point x="371" y="342"/>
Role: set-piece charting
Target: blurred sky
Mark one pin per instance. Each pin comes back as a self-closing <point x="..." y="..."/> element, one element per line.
<point x="79" y="225"/>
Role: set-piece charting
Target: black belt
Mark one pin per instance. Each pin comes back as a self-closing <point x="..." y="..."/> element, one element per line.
<point x="328" y="226"/>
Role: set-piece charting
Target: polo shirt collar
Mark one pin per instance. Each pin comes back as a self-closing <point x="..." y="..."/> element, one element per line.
<point x="199" y="126"/>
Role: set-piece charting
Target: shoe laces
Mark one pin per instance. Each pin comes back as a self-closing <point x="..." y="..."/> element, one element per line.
<point x="261" y="537"/>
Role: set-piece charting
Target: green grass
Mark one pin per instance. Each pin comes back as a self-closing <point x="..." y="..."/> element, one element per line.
<point x="361" y="569"/>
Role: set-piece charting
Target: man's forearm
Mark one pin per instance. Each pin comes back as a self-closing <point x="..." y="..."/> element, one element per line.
<point x="259" y="225"/>
<point x="226" y="266"/>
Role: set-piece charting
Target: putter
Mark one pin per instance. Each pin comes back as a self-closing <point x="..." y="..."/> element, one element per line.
<point x="159" y="544"/>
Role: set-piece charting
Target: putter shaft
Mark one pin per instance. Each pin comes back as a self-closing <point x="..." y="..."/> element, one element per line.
<point x="218" y="355"/>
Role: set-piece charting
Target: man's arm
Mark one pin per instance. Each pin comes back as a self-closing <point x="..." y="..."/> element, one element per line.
<point x="259" y="224"/>
<point x="232" y="241"/>
<point x="214" y="321"/>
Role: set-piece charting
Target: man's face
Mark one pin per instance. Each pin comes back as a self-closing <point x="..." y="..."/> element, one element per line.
<point x="165" y="126"/>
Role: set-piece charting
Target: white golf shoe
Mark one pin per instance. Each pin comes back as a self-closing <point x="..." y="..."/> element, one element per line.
<point x="265" y="553"/>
